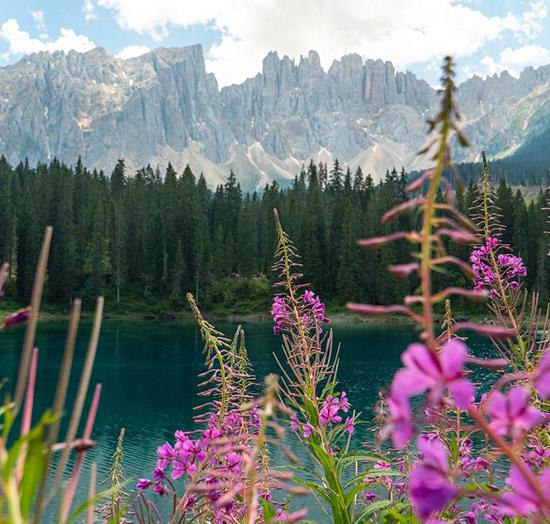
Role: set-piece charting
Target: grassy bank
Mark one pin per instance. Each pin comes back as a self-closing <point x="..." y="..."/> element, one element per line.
<point x="235" y="299"/>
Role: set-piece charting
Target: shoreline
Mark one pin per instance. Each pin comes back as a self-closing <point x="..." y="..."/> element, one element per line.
<point x="338" y="317"/>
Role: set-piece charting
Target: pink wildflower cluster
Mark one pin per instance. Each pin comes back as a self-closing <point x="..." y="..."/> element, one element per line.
<point x="279" y="312"/>
<point x="510" y="414"/>
<point x="427" y="371"/>
<point x="329" y="415"/>
<point x="317" y="307"/>
<point x="312" y="310"/>
<point x="510" y="267"/>
<point x="429" y="484"/>
<point x="211" y="462"/>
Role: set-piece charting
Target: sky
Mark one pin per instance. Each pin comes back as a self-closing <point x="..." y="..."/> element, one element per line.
<point x="484" y="36"/>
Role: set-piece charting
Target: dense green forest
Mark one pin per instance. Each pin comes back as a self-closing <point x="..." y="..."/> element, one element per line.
<point x="143" y="239"/>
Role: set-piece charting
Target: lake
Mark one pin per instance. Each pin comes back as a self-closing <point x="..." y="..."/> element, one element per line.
<point x="149" y="376"/>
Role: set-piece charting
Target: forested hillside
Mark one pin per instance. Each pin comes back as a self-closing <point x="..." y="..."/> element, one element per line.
<point x="152" y="236"/>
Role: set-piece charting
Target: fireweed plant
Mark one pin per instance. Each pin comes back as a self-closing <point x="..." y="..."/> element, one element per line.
<point x="322" y="418"/>
<point x="221" y="473"/>
<point x="467" y="438"/>
<point x="33" y="464"/>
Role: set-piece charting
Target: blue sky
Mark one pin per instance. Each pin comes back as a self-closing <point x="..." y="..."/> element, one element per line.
<point x="486" y="36"/>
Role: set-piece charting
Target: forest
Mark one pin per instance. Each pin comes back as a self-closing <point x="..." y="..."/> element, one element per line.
<point x="149" y="237"/>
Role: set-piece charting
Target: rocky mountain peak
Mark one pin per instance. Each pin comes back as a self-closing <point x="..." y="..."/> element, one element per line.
<point x="163" y="106"/>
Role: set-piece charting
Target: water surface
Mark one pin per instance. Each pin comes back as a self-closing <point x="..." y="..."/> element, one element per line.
<point x="149" y="376"/>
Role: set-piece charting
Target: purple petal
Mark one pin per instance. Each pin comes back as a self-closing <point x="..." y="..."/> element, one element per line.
<point x="462" y="392"/>
<point x="409" y="383"/>
<point x="434" y="452"/>
<point x="452" y="357"/>
<point x="542" y="376"/>
<point x="419" y="358"/>
<point x="430" y="491"/>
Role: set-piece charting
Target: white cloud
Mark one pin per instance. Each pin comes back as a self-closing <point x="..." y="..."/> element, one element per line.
<point x="38" y="17"/>
<point x="404" y="31"/>
<point x="20" y="42"/>
<point x="88" y="9"/>
<point x="514" y="60"/>
<point x="132" y="51"/>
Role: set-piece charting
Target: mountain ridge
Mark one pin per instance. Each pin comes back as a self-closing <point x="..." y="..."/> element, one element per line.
<point x="164" y="106"/>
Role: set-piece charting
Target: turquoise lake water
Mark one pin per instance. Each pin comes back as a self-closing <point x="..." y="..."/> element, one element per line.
<point x="149" y="376"/>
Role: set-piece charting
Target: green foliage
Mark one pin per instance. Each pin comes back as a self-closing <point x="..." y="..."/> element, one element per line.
<point x="145" y="239"/>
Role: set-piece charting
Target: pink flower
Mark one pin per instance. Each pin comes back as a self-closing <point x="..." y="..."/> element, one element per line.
<point x="165" y="454"/>
<point x="294" y="422"/>
<point x="542" y="376"/>
<point x="160" y="489"/>
<point x="523" y="500"/>
<point x="350" y="425"/>
<point x="158" y="474"/>
<point x="280" y="314"/>
<point x="425" y="370"/>
<point x="308" y="430"/>
<point x="400" y="422"/>
<point x="317" y="306"/>
<point x="234" y="461"/>
<point x="430" y="488"/>
<point x="211" y="434"/>
<point x="369" y="496"/>
<point x="344" y="403"/>
<point x="512" y="414"/>
<point x="329" y="411"/>
<point x="16" y="318"/>
<point x="537" y="455"/>
<point x="143" y="484"/>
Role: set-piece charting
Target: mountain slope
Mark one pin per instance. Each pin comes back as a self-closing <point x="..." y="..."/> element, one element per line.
<point x="163" y="106"/>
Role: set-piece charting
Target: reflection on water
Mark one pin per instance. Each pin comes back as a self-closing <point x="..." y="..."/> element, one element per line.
<point x="149" y="376"/>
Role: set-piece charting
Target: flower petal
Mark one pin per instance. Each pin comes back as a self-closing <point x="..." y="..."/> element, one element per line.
<point x="462" y="392"/>
<point x="452" y="357"/>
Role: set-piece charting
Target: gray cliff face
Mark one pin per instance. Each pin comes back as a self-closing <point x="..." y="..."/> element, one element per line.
<point x="164" y="106"/>
<point x="297" y="109"/>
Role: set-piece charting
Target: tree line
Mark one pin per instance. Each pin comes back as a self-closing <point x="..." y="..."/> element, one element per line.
<point x="153" y="235"/>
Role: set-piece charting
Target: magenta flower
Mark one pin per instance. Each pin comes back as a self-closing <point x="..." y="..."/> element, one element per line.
<point x="424" y="370"/>
<point x="294" y="422"/>
<point x="511" y="268"/>
<point x="400" y="423"/>
<point x="468" y="464"/>
<point x="344" y="403"/>
<point x="308" y="430"/>
<point x="234" y="461"/>
<point x="160" y="489"/>
<point x="279" y="313"/>
<point x="158" y="474"/>
<point x="513" y="265"/>
<point x="317" y="306"/>
<point x="430" y="488"/>
<point x="537" y="455"/>
<point x="369" y="496"/>
<point x="16" y="318"/>
<point x="329" y="411"/>
<point x="350" y="425"/>
<point x="542" y="376"/>
<point x="143" y="484"/>
<point x="523" y="500"/>
<point x="165" y="454"/>
<point x="211" y="434"/>
<point x="196" y="450"/>
<point x="512" y="414"/>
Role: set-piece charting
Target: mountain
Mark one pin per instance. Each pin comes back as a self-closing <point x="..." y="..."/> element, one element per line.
<point x="163" y="106"/>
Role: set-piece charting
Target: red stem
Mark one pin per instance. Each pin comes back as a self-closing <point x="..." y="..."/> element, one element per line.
<point x="71" y="488"/>
<point x="509" y="452"/>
